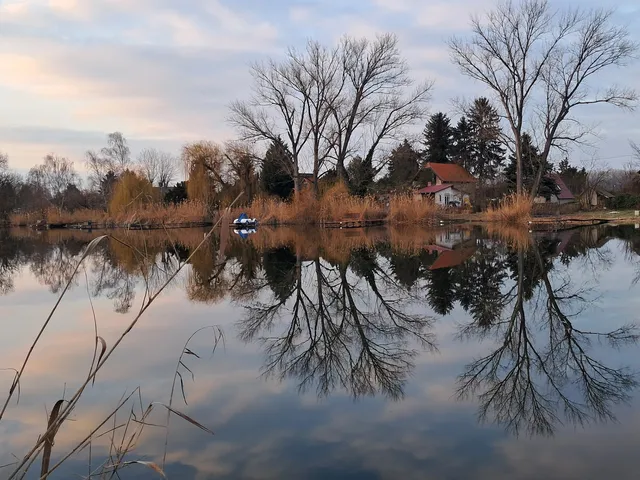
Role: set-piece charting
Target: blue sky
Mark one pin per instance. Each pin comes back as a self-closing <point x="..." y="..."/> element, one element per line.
<point x="163" y="72"/>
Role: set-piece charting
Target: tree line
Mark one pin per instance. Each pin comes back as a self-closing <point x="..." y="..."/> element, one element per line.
<point x="342" y="111"/>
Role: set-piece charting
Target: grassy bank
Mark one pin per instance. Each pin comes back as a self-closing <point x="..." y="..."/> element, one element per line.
<point x="338" y="205"/>
<point x="335" y="206"/>
<point x="184" y="214"/>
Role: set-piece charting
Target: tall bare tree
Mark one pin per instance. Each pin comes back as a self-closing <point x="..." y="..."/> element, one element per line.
<point x="318" y="76"/>
<point x="4" y="161"/>
<point x="374" y="105"/>
<point x="114" y="158"/>
<point x="159" y="167"/>
<point x="276" y="110"/>
<point x="636" y="150"/>
<point x="241" y="165"/>
<point x="117" y="152"/>
<point x="55" y="174"/>
<point x="331" y="103"/>
<point x="540" y="63"/>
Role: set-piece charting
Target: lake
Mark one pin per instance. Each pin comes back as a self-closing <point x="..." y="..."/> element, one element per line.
<point x="451" y="353"/>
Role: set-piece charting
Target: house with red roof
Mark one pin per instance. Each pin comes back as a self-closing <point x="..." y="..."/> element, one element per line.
<point x="563" y="194"/>
<point x="451" y="185"/>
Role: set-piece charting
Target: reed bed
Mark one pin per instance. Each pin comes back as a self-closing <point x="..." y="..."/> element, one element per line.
<point x="188" y="212"/>
<point x="404" y="209"/>
<point x="513" y="210"/>
<point x="336" y="204"/>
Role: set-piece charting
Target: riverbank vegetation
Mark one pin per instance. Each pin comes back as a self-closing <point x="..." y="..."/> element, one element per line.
<point x="347" y="115"/>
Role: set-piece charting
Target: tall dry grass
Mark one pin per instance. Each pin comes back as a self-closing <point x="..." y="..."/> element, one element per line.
<point x="337" y="204"/>
<point x="334" y="205"/>
<point x="404" y="209"/>
<point x="513" y="210"/>
<point x="150" y="214"/>
<point x="41" y="448"/>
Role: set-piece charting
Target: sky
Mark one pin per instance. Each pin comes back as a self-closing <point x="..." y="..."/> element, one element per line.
<point x="163" y="72"/>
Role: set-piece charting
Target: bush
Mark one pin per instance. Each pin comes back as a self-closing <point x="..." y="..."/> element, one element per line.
<point x="624" y="201"/>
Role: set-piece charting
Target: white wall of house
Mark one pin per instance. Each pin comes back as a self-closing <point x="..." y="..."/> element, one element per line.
<point x="446" y="196"/>
<point x="552" y="199"/>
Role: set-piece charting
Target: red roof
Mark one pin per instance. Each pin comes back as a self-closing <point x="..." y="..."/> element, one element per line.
<point x="452" y="258"/>
<point x="565" y="193"/>
<point x="433" y="189"/>
<point x="451" y="172"/>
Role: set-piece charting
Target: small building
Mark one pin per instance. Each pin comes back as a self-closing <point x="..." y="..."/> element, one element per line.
<point x="599" y="197"/>
<point x="563" y="194"/>
<point x="451" y="185"/>
<point x="445" y="195"/>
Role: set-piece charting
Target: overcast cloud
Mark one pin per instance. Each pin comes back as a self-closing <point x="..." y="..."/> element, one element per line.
<point x="163" y="72"/>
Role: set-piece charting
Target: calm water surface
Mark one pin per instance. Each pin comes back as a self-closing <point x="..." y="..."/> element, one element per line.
<point x="447" y="354"/>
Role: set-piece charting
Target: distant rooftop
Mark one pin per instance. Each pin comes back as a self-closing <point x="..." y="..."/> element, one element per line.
<point x="434" y="188"/>
<point x="451" y="172"/>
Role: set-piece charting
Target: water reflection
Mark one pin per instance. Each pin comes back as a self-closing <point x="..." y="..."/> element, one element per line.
<point x="352" y="312"/>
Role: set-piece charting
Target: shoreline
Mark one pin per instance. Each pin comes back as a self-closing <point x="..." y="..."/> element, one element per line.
<point x="536" y="223"/>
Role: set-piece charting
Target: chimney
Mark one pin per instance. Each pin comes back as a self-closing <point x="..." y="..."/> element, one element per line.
<point x="428" y="184"/>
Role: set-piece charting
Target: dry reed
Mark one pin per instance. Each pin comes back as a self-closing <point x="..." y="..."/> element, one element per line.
<point x="65" y="410"/>
<point x="405" y="209"/>
<point x="336" y="204"/>
<point x="513" y="210"/>
<point x="153" y="214"/>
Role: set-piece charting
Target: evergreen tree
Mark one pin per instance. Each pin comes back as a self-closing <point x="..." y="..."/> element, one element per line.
<point x="530" y="161"/>
<point x="462" y="149"/>
<point x="487" y="152"/>
<point x="404" y="164"/>
<point x="360" y="173"/>
<point x="275" y="178"/>
<point x="575" y="178"/>
<point x="176" y="194"/>
<point x="438" y="138"/>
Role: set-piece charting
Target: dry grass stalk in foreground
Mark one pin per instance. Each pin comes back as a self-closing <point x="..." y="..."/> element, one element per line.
<point x="513" y="210"/>
<point x="96" y="365"/>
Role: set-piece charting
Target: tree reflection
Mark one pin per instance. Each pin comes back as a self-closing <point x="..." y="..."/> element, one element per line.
<point x="337" y="324"/>
<point x="543" y="365"/>
<point x="352" y="313"/>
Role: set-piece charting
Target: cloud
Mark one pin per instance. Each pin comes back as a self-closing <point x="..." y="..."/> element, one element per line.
<point x="164" y="71"/>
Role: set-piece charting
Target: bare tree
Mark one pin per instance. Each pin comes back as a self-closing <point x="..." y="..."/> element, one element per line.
<point x="117" y="153"/>
<point x="318" y="76"/>
<point x="241" y="163"/>
<point x="539" y="63"/>
<point x="4" y="161"/>
<point x="159" y="167"/>
<point x="373" y="105"/>
<point x="114" y="158"/>
<point x="54" y="175"/>
<point x="636" y="150"/>
<point x="331" y="103"/>
<point x="273" y="91"/>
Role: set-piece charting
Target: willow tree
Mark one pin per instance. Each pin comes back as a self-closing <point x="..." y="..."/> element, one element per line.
<point x="203" y="163"/>
<point x="132" y="191"/>
<point x="541" y="64"/>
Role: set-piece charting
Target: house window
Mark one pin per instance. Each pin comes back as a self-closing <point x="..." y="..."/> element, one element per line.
<point x="446" y="199"/>
<point x="440" y="198"/>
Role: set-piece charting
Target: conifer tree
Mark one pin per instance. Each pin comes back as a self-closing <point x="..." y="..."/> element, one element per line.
<point x="275" y="178"/>
<point x="404" y="164"/>
<point x="438" y="138"/>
